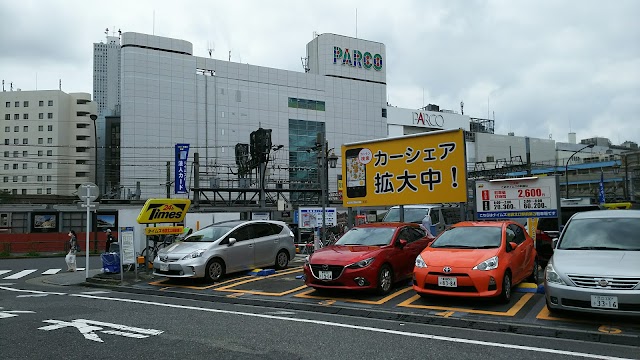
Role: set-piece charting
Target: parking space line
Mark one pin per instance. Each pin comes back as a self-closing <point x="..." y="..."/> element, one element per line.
<point x="229" y="288"/>
<point x="511" y="312"/>
<point x="162" y="283"/>
<point x="305" y="295"/>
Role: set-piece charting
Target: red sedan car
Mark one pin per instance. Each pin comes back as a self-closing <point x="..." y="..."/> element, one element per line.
<point x="370" y="256"/>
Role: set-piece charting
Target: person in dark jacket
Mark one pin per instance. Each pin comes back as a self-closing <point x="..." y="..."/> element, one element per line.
<point x="110" y="240"/>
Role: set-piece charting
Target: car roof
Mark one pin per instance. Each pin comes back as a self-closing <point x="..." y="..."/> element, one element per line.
<point x="608" y="214"/>
<point x="482" y="223"/>
<point x="233" y="223"/>
<point x="422" y="206"/>
<point x="387" y="225"/>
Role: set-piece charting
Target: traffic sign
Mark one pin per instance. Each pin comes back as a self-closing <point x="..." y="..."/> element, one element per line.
<point x="88" y="190"/>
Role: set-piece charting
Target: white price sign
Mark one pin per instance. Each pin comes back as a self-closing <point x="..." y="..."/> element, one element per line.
<point x="517" y="198"/>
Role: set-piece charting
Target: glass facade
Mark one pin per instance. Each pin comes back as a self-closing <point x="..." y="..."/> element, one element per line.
<point x="303" y="164"/>
<point x="306" y="104"/>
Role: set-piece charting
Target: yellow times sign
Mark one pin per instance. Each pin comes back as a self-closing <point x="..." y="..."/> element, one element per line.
<point x="163" y="211"/>
<point x="163" y="230"/>
<point x="416" y="169"/>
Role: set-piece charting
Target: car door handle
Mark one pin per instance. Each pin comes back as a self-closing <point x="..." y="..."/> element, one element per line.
<point x="250" y="245"/>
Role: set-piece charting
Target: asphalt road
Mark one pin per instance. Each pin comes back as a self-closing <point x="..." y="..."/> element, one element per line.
<point x="82" y="323"/>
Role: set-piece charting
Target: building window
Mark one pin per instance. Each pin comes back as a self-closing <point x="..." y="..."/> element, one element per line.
<point x="7" y="104"/>
<point x="7" y="116"/>
<point x="6" y="154"/>
<point x="6" y="141"/>
<point x="16" y="141"/>
<point x="25" y="104"/>
<point x="49" y="115"/>
<point x="25" y="128"/>
<point x="16" y="129"/>
<point x="49" y="127"/>
<point x="25" y="141"/>
<point x="49" y="152"/>
<point x="48" y="177"/>
<point x="24" y="191"/>
<point x="5" y="179"/>
<point x="39" y="152"/>
<point x="17" y="104"/>
<point x="24" y="179"/>
<point x="6" y="166"/>
<point x="15" y="179"/>
<point x="48" y="191"/>
<point x="14" y="191"/>
<point x="15" y="166"/>
<point x="16" y="116"/>
<point x="306" y="104"/>
<point x="40" y="127"/>
<point x="7" y="129"/>
<point x="24" y="153"/>
<point x="39" y="191"/>
<point x="49" y="165"/>
<point x="40" y="165"/>
<point x="50" y="103"/>
<point x="49" y="140"/>
<point x="41" y="116"/>
<point x="15" y="153"/>
<point x="39" y="177"/>
<point x="24" y="166"/>
<point x="384" y="113"/>
<point x="40" y="103"/>
<point x="25" y="116"/>
<point x="40" y="140"/>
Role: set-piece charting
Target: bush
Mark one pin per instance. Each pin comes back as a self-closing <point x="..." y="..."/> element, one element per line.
<point x="33" y="253"/>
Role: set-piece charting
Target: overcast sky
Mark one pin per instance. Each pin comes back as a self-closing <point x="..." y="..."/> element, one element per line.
<point x="543" y="67"/>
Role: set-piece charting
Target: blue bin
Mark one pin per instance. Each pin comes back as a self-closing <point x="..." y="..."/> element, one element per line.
<point x="110" y="263"/>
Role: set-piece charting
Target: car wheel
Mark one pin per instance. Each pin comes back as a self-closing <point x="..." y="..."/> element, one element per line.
<point x="385" y="280"/>
<point x="505" y="295"/>
<point x="282" y="260"/>
<point x="214" y="270"/>
<point x="534" y="273"/>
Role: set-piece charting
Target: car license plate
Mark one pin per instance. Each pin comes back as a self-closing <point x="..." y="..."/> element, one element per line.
<point x="447" y="281"/>
<point x="164" y="267"/>
<point x="325" y="275"/>
<point x="606" y="302"/>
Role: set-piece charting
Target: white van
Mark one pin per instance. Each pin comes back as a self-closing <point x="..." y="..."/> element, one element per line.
<point x="442" y="216"/>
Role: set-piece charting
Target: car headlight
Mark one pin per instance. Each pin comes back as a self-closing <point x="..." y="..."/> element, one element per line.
<point x="420" y="262"/>
<point x="361" y="263"/>
<point x="193" y="255"/>
<point x="489" y="264"/>
<point x="552" y="276"/>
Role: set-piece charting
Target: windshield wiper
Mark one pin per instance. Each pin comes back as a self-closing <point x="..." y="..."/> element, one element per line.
<point x="486" y="247"/>
<point x="593" y="248"/>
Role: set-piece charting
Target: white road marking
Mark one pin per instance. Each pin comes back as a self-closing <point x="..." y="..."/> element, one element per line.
<point x="31" y="291"/>
<point x="98" y="292"/>
<point x="20" y="274"/>
<point x="51" y="272"/>
<point x="88" y="327"/>
<point x="5" y="271"/>
<point x="12" y="313"/>
<point x="32" y="295"/>
<point x="365" y="328"/>
<point x="6" y="284"/>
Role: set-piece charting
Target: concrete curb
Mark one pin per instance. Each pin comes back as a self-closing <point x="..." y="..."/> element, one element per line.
<point x="484" y="325"/>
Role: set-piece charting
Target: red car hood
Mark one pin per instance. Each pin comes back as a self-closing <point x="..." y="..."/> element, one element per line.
<point x="343" y="255"/>
<point x="465" y="258"/>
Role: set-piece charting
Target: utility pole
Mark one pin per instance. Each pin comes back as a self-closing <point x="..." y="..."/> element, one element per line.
<point x="168" y="179"/>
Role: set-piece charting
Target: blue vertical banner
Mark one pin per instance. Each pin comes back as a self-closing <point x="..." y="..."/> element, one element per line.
<point x="180" y="181"/>
<point x="601" y="198"/>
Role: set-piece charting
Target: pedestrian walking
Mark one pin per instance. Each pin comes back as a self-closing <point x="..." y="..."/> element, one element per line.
<point x="73" y="249"/>
<point x="110" y="240"/>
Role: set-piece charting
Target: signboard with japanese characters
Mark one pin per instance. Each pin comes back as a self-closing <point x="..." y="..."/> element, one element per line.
<point x="535" y="197"/>
<point x="311" y="217"/>
<point x="416" y="169"/>
<point x="182" y="152"/>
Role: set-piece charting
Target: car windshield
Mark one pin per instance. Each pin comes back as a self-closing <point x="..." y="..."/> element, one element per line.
<point x="601" y="234"/>
<point x="411" y="215"/>
<point x="470" y="237"/>
<point x="208" y="234"/>
<point x="369" y="236"/>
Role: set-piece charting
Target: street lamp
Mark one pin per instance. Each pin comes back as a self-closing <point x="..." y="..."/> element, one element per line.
<point x="566" y="168"/>
<point x="326" y="158"/>
<point x="94" y="117"/>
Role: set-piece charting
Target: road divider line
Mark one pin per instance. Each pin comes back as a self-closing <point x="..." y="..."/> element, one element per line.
<point x="363" y="328"/>
<point x="409" y="303"/>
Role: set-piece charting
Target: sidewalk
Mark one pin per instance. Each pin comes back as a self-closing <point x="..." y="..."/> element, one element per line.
<point x="70" y="278"/>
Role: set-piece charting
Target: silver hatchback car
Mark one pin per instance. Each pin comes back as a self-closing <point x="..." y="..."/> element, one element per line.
<point x="227" y="247"/>
<point x="595" y="265"/>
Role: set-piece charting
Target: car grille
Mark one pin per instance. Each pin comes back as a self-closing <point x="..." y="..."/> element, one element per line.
<point x="616" y="283"/>
<point x="169" y="272"/>
<point x="458" y="289"/>
<point x="587" y="305"/>
<point x="336" y="270"/>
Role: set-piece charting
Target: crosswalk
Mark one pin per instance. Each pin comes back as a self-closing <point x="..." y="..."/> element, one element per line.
<point x="19" y="274"/>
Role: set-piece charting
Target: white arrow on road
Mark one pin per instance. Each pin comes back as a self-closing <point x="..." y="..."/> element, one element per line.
<point x="88" y="328"/>
<point x="12" y="313"/>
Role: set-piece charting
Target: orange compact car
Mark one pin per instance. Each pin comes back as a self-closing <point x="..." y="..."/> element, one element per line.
<point x="476" y="259"/>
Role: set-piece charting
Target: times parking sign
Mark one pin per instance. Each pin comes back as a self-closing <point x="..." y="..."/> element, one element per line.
<point x="517" y="198"/>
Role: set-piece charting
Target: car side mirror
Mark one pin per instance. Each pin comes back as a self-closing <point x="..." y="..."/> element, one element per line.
<point x="513" y="245"/>
<point x="554" y="242"/>
<point x="232" y="241"/>
<point x="402" y="243"/>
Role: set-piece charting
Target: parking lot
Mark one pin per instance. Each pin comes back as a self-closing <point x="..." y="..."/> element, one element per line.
<point x="527" y="305"/>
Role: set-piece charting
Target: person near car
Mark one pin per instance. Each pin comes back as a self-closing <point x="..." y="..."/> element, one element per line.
<point x="73" y="249"/>
<point x="426" y="225"/>
<point x="110" y="240"/>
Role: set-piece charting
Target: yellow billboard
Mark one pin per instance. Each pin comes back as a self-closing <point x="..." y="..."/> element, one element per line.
<point x="417" y="169"/>
<point x="163" y="211"/>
